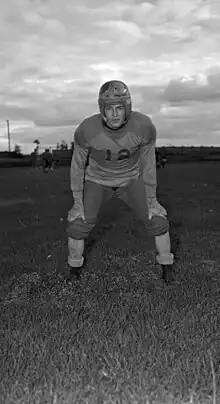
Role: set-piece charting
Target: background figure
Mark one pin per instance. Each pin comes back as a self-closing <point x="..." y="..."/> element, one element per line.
<point x="36" y="159"/>
<point x="160" y="159"/>
<point x="33" y="160"/>
<point x="48" y="160"/>
<point x="55" y="163"/>
<point x="163" y="161"/>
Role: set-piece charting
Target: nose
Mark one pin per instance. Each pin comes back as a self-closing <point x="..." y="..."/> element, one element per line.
<point x="115" y="113"/>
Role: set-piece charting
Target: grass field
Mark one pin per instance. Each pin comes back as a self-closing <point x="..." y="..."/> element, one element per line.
<point x="120" y="336"/>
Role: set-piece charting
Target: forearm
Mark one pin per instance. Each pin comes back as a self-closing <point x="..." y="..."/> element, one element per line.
<point x="77" y="172"/>
<point x="151" y="193"/>
<point x="77" y="176"/>
<point x="149" y="174"/>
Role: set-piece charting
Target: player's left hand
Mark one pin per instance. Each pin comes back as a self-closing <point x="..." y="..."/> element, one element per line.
<point x="157" y="210"/>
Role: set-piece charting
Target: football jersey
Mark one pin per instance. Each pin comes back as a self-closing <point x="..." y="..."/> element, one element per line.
<point x="114" y="158"/>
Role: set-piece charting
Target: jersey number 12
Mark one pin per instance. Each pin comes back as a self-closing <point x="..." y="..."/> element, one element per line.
<point x="122" y="154"/>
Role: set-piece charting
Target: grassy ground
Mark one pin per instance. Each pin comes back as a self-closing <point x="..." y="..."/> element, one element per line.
<point x="120" y="336"/>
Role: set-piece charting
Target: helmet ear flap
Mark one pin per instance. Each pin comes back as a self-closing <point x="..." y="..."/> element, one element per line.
<point x="103" y="114"/>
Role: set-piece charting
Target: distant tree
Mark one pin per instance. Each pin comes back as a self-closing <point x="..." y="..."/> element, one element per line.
<point x="64" y="145"/>
<point x="17" y="149"/>
<point x="58" y="146"/>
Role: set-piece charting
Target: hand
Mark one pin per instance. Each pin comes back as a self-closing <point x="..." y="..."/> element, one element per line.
<point x="157" y="210"/>
<point x="77" y="211"/>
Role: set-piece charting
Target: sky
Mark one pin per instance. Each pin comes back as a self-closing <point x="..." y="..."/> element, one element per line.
<point x="55" y="55"/>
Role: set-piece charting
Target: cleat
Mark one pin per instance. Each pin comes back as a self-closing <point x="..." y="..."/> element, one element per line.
<point x="72" y="274"/>
<point x="168" y="274"/>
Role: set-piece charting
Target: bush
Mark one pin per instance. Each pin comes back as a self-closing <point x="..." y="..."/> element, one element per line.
<point x="15" y="162"/>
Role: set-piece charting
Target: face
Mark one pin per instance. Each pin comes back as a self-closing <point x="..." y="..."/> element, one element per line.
<point x="115" y="115"/>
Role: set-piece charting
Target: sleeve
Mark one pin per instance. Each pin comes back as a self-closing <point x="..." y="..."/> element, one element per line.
<point x="148" y="163"/>
<point x="78" y="163"/>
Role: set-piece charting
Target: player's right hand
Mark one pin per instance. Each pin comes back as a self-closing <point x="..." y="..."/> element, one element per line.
<point x="77" y="211"/>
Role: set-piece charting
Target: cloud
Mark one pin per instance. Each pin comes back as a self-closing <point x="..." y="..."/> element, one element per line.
<point x="122" y="27"/>
<point x="55" y="55"/>
<point x="199" y="88"/>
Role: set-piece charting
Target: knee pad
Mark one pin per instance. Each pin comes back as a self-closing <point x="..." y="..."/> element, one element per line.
<point x="158" y="226"/>
<point x="78" y="229"/>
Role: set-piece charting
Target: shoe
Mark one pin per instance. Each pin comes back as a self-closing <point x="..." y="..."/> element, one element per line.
<point x="168" y="273"/>
<point x="72" y="274"/>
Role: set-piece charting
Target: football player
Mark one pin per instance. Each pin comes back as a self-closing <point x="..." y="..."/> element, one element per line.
<point x="48" y="160"/>
<point x="36" y="158"/>
<point x="114" y="154"/>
